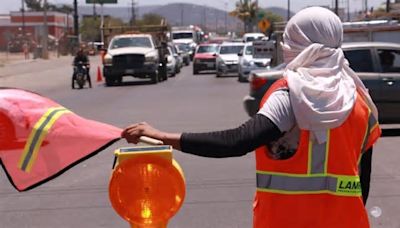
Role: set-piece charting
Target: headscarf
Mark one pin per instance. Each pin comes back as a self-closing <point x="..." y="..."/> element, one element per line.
<point x="322" y="86"/>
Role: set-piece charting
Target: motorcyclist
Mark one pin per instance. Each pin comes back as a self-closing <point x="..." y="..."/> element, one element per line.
<point x="81" y="57"/>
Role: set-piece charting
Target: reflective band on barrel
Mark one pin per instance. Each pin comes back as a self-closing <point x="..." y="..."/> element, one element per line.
<point x="317" y="155"/>
<point x="372" y="124"/>
<point x="37" y="135"/>
<point x="305" y="184"/>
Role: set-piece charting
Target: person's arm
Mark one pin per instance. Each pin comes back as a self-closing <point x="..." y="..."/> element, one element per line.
<point x="254" y="133"/>
<point x="365" y="173"/>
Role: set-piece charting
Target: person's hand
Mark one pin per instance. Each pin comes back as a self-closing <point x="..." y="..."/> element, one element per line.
<point x="133" y="132"/>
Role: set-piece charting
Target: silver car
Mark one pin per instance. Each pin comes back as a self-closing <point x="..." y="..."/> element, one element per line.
<point x="249" y="60"/>
<point x="376" y="63"/>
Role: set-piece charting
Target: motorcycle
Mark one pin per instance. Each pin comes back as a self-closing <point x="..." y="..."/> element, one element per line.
<point x="80" y="75"/>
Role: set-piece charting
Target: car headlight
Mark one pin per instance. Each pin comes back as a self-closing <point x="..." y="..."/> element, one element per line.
<point x="107" y="61"/>
<point x="248" y="63"/>
<point x="150" y="59"/>
<point x="169" y="59"/>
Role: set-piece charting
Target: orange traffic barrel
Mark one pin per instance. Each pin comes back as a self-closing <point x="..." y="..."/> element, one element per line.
<point x="148" y="188"/>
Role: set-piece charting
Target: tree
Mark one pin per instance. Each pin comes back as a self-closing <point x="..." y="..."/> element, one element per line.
<point x="34" y="5"/>
<point x="150" y="19"/>
<point x="246" y="11"/>
<point x="90" y="27"/>
<point x="38" y="5"/>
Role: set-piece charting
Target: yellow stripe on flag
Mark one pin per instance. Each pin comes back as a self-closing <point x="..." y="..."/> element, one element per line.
<point x="37" y="135"/>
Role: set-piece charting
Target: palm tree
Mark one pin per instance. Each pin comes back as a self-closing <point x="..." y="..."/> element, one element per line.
<point x="246" y="11"/>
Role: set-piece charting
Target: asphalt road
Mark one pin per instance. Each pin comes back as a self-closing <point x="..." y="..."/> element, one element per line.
<point x="219" y="191"/>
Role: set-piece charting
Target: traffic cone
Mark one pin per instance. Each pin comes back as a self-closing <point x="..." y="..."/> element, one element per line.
<point x="99" y="77"/>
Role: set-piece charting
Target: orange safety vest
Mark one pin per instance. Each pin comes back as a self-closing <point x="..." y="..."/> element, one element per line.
<point x="319" y="185"/>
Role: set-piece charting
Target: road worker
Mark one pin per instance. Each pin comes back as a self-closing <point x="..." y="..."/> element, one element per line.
<point x="314" y="128"/>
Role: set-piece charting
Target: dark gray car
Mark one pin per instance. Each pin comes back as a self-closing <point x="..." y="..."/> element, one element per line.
<point x="376" y="63"/>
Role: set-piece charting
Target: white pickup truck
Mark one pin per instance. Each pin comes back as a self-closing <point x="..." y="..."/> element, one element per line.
<point x="132" y="55"/>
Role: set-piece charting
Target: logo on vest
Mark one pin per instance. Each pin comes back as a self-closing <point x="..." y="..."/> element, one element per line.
<point x="349" y="185"/>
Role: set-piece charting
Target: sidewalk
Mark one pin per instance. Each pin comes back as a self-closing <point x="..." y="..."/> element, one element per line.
<point x="15" y="64"/>
<point x="7" y="59"/>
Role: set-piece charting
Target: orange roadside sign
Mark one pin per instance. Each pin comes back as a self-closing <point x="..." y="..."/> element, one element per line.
<point x="264" y="24"/>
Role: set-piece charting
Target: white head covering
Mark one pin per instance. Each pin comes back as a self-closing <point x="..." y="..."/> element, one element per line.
<point x="322" y="86"/>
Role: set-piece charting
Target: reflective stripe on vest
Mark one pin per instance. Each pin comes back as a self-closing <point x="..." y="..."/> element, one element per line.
<point x="308" y="184"/>
<point x="317" y="155"/>
<point x="37" y="135"/>
<point x="316" y="181"/>
<point x="372" y="124"/>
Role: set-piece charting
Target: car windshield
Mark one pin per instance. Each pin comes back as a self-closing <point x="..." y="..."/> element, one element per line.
<point x="249" y="50"/>
<point x="184" y="47"/>
<point x="230" y="49"/>
<point x="131" y="42"/>
<point x="182" y="35"/>
<point x="207" y="49"/>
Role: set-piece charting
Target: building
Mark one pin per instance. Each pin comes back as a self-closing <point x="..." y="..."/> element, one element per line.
<point x="16" y="26"/>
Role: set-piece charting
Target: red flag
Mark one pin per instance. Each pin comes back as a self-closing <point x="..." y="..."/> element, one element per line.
<point x="40" y="139"/>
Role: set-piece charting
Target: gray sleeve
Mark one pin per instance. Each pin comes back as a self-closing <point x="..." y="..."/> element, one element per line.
<point x="279" y="110"/>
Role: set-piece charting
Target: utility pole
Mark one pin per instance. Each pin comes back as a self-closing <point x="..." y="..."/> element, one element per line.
<point x="348" y="10"/>
<point x="94" y="10"/>
<point x="288" y="10"/>
<point x="23" y="18"/>
<point x="102" y="23"/>
<point x="216" y="20"/>
<point x="226" y="17"/>
<point x="181" y="14"/>
<point x="45" y="53"/>
<point x="205" y="17"/>
<point x="337" y="7"/>
<point x="387" y="6"/>
<point x="133" y="12"/>
<point x="76" y="24"/>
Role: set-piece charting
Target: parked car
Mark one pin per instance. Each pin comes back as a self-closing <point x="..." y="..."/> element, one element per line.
<point x="228" y="59"/>
<point x="171" y="63"/>
<point x="253" y="59"/>
<point x="177" y="56"/>
<point x="204" y="57"/>
<point x="185" y="51"/>
<point x="376" y="63"/>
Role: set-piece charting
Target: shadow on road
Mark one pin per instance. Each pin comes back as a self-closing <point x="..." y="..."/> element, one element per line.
<point x="228" y="76"/>
<point x="205" y="73"/>
<point x="131" y="83"/>
<point x="391" y="132"/>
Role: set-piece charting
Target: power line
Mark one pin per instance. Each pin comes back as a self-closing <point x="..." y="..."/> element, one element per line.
<point x="133" y="12"/>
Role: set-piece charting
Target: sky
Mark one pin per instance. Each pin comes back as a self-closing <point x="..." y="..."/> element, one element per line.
<point x="296" y="5"/>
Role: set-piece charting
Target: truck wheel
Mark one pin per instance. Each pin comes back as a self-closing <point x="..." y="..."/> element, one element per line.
<point x="155" y="78"/>
<point x="195" y="71"/>
<point x="109" y="81"/>
<point x="119" y="80"/>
